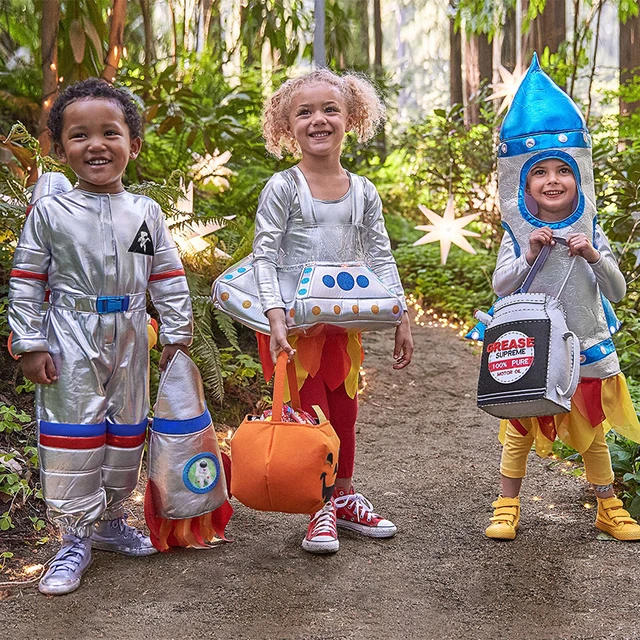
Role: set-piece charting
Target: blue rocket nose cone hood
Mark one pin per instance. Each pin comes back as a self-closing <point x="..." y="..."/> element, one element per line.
<point x="540" y="107"/>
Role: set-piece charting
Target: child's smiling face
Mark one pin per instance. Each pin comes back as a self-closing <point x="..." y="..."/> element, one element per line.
<point x="318" y="119"/>
<point x="96" y="144"/>
<point x="552" y="185"/>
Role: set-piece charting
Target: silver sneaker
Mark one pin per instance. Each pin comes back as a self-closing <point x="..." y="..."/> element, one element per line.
<point x="116" y="535"/>
<point x="65" y="572"/>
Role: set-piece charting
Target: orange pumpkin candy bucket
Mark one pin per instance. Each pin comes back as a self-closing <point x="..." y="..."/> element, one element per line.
<point x="284" y="466"/>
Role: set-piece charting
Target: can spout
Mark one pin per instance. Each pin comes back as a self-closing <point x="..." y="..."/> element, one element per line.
<point x="483" y="317"/>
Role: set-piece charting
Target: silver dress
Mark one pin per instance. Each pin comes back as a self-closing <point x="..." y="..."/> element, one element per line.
<point x="285" y="240"/>
<point x="99" y="254"/>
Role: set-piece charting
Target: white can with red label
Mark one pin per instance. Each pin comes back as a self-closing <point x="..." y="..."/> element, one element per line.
<point x="530" y="360"/>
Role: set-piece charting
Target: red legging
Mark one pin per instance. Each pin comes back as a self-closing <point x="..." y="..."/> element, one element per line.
<point x="341" y="411"/>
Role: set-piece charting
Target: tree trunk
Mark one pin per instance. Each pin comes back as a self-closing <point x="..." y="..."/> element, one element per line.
<point x="478" y="68"/>
<point x="508" y="50"/>
<point x="49" y="47"/>
<point x="377" y="40"/>
<point x="116" y="39"/>
<point x="361" y="59"/>
<point x="629" y="58"/>
<point x="455" y="62"/>
<point x="149" y="43"/>
<point x="319" y="50"/>
<point x="549" y="29"/>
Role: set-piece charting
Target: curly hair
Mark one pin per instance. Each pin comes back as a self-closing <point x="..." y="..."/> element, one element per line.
<point x="365" y="109"/>
<point x="94" y="88"/>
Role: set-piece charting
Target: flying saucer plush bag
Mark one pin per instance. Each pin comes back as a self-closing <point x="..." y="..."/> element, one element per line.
<point x="277" y="465"/>
<point x="349" y="295"/>
<point x="530" y="360"/>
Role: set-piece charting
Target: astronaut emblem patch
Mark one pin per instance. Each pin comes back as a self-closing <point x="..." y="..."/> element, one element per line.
<point x="142" y="243"/>
<point x="201" y="473"/>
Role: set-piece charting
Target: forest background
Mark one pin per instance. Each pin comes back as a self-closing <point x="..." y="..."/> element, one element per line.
<point x="201" y="70"/>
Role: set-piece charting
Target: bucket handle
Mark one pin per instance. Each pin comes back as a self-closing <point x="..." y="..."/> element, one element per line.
<point x="571" y="339"/>
<point x="287" y="369"/>
<point x="538" y="263"/>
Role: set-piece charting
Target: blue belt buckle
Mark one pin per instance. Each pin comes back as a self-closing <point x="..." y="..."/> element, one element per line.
<point x="112" y="304"/>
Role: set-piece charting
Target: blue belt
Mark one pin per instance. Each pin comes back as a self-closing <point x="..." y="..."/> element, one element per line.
<point x="112" y="304"/>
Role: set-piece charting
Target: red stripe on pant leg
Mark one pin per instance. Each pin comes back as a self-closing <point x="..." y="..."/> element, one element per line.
<point x="67" y="442"/>
<point x="126" y="442"/>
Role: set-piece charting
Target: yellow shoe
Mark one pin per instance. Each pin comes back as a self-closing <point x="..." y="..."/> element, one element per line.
<point x="615" y="520"/>
<point x="505" y="520"/>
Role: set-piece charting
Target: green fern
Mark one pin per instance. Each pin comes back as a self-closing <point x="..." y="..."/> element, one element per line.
<point x="228" y="328"/>
<point x="205" y="350"/>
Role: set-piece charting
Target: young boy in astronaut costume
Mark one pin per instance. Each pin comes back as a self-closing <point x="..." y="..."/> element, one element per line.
<point x="546" y="187"/>
<point x="99" y="249"/>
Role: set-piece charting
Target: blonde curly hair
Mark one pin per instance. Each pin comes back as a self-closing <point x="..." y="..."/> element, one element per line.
<point x="365" y="109"/>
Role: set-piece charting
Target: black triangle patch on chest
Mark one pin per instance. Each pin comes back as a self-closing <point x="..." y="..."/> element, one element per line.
<point x="142" y="243"/>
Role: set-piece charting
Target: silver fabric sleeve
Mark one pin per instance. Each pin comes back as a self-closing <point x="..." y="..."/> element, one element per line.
<point x="168" y="288"/>
<point x="27" y="285"/>
<point x="272" y="217"/>
<point x="377" y="245"/>
<point x="510" y="271"/>
<point x="608" y="275"/>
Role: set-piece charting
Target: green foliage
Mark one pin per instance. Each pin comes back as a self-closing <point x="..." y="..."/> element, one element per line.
<point x="459" y="287"/>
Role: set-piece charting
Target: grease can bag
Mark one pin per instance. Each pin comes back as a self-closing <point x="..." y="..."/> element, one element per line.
<point x="530" y="360"/>
<point x="284" y="466"/>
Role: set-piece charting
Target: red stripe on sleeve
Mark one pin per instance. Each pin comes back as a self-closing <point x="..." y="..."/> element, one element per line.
<point x="166" y="274"/>
<point x="31" y="275"/>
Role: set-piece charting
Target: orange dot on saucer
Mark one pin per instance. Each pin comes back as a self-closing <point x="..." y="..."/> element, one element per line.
<point x="375" y="308"/>
<point x="292" y="312"/>
<point x="224" y="296"/>
<point x="396" y="308"/>
<point x="355" y="308"/>
<point x="316" y="311"/>
<point x="336" y="310"/>
<point x="246" y="304"/>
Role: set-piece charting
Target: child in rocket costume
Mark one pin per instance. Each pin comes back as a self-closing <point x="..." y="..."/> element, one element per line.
<point x="546" y="188"/>
<point x="99" y="249"/>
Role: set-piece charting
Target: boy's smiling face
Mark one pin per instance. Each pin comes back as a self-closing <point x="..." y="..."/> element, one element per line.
<point x="552" y="185"/>
<point x="96" y="144"/>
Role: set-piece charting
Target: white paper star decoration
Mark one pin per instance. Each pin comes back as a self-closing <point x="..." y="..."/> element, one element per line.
<point x="506" y="89"/>
<point x="447" y="229"/>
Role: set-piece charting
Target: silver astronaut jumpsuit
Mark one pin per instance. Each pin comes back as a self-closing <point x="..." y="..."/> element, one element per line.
<point x="98" y="253"/>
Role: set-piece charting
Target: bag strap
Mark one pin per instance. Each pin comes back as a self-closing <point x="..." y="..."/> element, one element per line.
<point x="538" y="263"/>
<point x="288" y="370"/>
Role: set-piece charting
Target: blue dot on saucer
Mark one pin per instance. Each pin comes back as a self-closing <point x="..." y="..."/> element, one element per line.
<point x="328" y="281"/>
<point x="241" y="270"/>
<point x="345" y="281"/>
<point x="362" y="281"/>
<point x="304" y="280"/>
<point x="308" y="270"/>
<point x="302" y="291"/>
<point x="228" y="277"/>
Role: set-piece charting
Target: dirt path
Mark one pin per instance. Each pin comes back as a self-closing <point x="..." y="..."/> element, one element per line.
<point x="428" y="459"/>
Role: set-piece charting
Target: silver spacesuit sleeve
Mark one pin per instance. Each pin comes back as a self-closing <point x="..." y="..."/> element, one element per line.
<point x="511" y="270"/>
<point x="168" y="288"/>
<point x="27" y="284"/>
<point x="272" y="216"/>
<point x="608" y="275"/>
<point x="377" y="245"/>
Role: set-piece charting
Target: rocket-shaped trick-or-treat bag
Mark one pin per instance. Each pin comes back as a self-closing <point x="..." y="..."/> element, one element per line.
<point x="186" y="502"/>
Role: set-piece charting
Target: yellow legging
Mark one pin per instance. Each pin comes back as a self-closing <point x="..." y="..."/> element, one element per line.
<point x="597" y="460"/>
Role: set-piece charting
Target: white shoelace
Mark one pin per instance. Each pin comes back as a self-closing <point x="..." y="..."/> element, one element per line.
<point x="356" y="501"/>
<point x="324" y="521"/>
